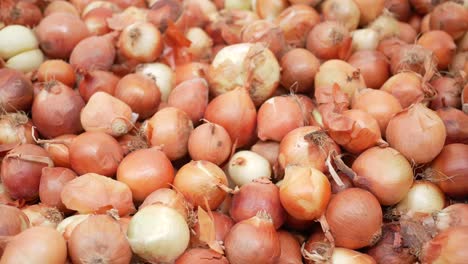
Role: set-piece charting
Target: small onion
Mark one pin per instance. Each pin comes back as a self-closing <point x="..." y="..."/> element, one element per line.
<point x="448" y="93"/>
<point x="246" y="166"/>
<point x="296" y="21"/>
<point x="269" y="10"/>
<point x="400" y="8"/>
<point x="12" y="222"/>
<point x="456" y="125"/>
<point x="329" y="40"/>
<point x="373" y="66"/>
<point x="407" y="87"/>
<point x="94" y="53"/>
<point x="298" y="69"/>
<point x="57" y="70"/>
<point x="201" y="256"/>
<point x="266" y="32"/>
<point x="191" y="96"/>
<point x="385" y="251"/>
<point x="27" y="61"/>
<point x="201" y="43"/>
<point x="290" y="248"/>
<point x="141" y="41"/>
<point x="414" y="58"/>
<point x="450" y="17"/>
<point x="345" y="12"/>
<point x="96" y="20"/>
<point x="364" y="39"/>
<point x="163" y="76"/>
<point x="158" y="234"/>
<point x="210" y="142"/>
<point x="441" y="44"/>
<point x="43" y="215"/>
<point x="96" y="81"/>
<point x="422" y="197"/>
<point x="16" y="39"/>
<point x="406" y="32"/>
<point x="51" y="185"/>
<point x="386" y="26"/>
<point x="447" y="247"/>
<point x="190" y="70"/>
<point x="390" y="46"/>
<point x="15" y="129"/>
<point x="16" y="90"/>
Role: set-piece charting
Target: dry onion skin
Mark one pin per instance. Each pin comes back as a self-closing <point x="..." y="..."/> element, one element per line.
<point x="446" y="247"/>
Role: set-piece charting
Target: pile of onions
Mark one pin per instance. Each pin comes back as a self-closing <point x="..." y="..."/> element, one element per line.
<point x="373" y="66"/>
<point x="422" y="197"/>
<point x="298" y="69"/>
<point x="158" y="233"/>
<point x="246" y="166"/>
<point x="329" y="40"/>
<point x="446" y="247"/>
<point x="51" y="185"/>
<point x="17" y="90"/>
<point x="191" y="96"/>
<point x="210" y="142"/>
<point x="418" y="133"/>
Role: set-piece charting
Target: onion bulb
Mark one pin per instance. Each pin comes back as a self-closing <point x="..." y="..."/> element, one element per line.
<point x="407" y="87"/>
<point x="450" y="17"/>
<point x="210" y="142"/>
<point x="141" y="41"/>
<point x="329" y="40"/>
<point x="298" y="69"/>
<point x="346" y="12"/>
<point x="43" y="215"/>
<point x="163" y="76"/>
<point x="190" y="96"/>
<point x="51" y="185"/>
<point x="169" y="198"/>
<point x="296" y="21"/>
<point x="57" y="70"/>
<point x="422" y="197"/>
<point x="447" y="247"/>
<point x="201" y="256"/>
<point x="16" y="39"/>
<point x="246" y="166"/>
<point x="364" y="39"/>
<point x="13" y="221"/>
<point x="386" y="251"/>
<point x="16" y="93"/>
<point x="441" y="44"/>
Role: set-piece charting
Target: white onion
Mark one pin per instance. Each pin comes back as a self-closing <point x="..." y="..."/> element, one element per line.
<point x="386" y="26"/>
<point x="26" y="61"/>
<point x="423" y="197"/>
<point x="141" y="41"/>
<point x="158" y="233"/>
<point x="163" y="76"/>
<point x="201" y="44"/>
<point x="246" y="166"/>
<point x="16" y="39"/>
<point x="365" y="39"/>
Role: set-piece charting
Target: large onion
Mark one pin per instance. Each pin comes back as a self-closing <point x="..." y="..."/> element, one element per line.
<point x="422" y="197"/>
<point x="210" y="142"/>
<point x="13" y="221"/>
<point x="447" y="247"/>
<point x="16" y="91"/>
<point x="51" y="185"/>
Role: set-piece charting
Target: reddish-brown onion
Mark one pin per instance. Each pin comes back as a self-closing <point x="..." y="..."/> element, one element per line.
<point x="298" y="69"/>
<point x="355" y="218"/>
<point x="191" y="96"/>
<point x="447" y="247"/>
<point x="450" y="170"/>
<point x="456" y="125"/>
<point x="57" y="70"/>
<point x="450" y="17"/>
<point x="424" y="6"/>
<point x="94" y="53"/>
<point x="373" y="66"/>
<point x="21" y="171"/>
<point x="448" y="93"/>
<point x="170" y="129"/>
<point x="99" y="238"/>
<point x="21" y="13"/>
<point x="329" y="40"/>
<point x="52" y="182"/>
<point x="59" y="33"/>
<point x="12" y="222"/>
<point x="96" y="81"/>
<point x="389" y="46"/>
<point x="266" y="32"/>
<point x="60" y="6"/>
<point x="290" y="248"/>
<point x="58" y="149"/>
<point x="15" y="129"/>
<point x="141" y="41"/>
<point x="415" y="22"/>
<point x="145" y="171"/>
<point x="441" y="44"/>
<point x="418" y="133"/>
<point x="407" y="87"/>
<point x="296" y="21"/>
<point x="16" y="90"/>
<point x="95" y="152"/>
<point x="36" y="245"/>
<point x="235" y="112"/>
<point x="400" y="8"/>
<point x="406" y="32"/>
<point x="56" y="110"/>
<point x="253" y="197"/>
<point x="265" y="249"/>
<point x="210" y="142"/>
<point x="96" y="20"/>
<point x="267" y="149"/>
<point x="222" y="226"/>
<point x="386" y="251"/>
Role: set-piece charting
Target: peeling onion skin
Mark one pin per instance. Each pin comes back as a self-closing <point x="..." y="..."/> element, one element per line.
<point x="170" y="198"/>
<point x="447" y="247"/>
<point x="43" y="215"/>
<point x="386" y="252"/>
<point x="60" y="152"/>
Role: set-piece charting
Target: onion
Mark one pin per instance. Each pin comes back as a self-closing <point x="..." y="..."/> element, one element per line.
<point x="299" y="67"/>
<point x="441" y="44"/>
<point x="170" y="129"/>
<point x="269" y="10"/>
<point x="446" y="247"/>
<point x="236" y="112"/>
<point x="386" y="251"/>
<point x="21" y="171"/>
<point x="99" y="238"/>
<point x="422" y="197"/>
<point x="418" y="133"/>
<point x="373" y="66"/>
<point x="57" y="70"/>
<point x="58" y="6"/>
<point x="451" y="18"/>
<point x="448" y="93"/>
<point x="201" y="256"/>
<point x="190" y="70"/>
<point x="459" y="63"/>
<point x="329" y="40"/>
<point x="401" y="9"/>
<point x="407" y="33"/>
<point x="355" y="218"/>
<point x="96" y="20"/>
<point x="415" y="22"/>
<point x="290" y="248"/>
<point x="304" y="192"/>
<point x="99" y="4"/>
<point x="414" y="58"/>
<point x="306" y="146"/>
<point x="22" y="13"/>
<point x="266" y="32"/>
<point x="36" y="245"/>
<point x="105" y="113"/>
<point x="390" y="46"/>
<point x="385" y="173"/>
<point x="260" y="194"/>
<point x="449" y="170"/>
<point x="364" y="39"/>
<point x="59" y="33"/>
<point x="13" y="221"/>
<point x="379" y="104"/>
<point x="27" y="61"/>
<point x="16" y="39"/>
<point x="202" y="183"/>
<point x="15" y="129"/>
<point x="231" y="22"/>
<point x="210" y="142"/>
<point x="337" y="71"/>
<point x="65" y="105"/>
<point x="345" y="12"/>
<point x="456" y="125"/>
<point x="95" y="152"/>
<point x="158" y="234"/>
<point x="246" y="166"/>
<point x="222" y="225"/>
<point x="58" y="149"/>
<point x="201" y="43"/>
<point x="407" y="87"/>
<point x="68" y="224"/>
<point x="163" y="75"/>
<point x="16" y="91"/>
<point x="369" y="10"/>
<point x="451" y="216"/>
<point x="425" y="23"/>
<point x="102" y="193"/>
<point x="267" y="149"/>
<point x="191" y="96"/>
<point x="145" y="171"/>
<point x="94" y="53"/>
<point x="386" y="26"/>
<point x="141" y="41"/>
<point x="296" y="21"/>
<point x="265" y="246"/>
<point x="52" y="182"/>
<point x="169" y="198"/>
<point x="43" y="215"/>
<point x="249" y="65"/>
<point x="96" y="81"/>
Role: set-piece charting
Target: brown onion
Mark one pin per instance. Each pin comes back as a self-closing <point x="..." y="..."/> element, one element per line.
<point x="290" y="248"/>
<point x="58" y="70"/>
<point x="191" y="96"/>
<point x="191" y="70"/>
<point x="329" y="40"/>
<point x="16" y="90"/>
<point x="21" y="171"/>
<point x="265" y="249"/>
<point x="299" y="67"/>
<point x="210" y="142"/>
<point x="99" y="238"/>
<point x="15" y="129"/>
<point x="346" y="12"/>
<point x="385" y="173"/>
<point x="418" y="133"/>
<point x="407" y="87"/>
<point x="296" y="21"/>
<point x="96" y="81"/>
<point x="447" y="247"/>
<point x="59" y="33"/>
<point x="22" y="13"/>
<point x="267" y="149"/>
<point x="170" y="129"/>
<point x="400" y="8"/>
<point x="456" y="125"/>
<point x="386" y="251"/>
<point x="355" y="218"/>
<point x="373" y="66"/>
<point x="145" y="171"/>
<point x="43" y="215"/>
<point x="60" y="6"/>
<point x="95" y="152"/>
<point x="94" y="53"/>
<point x="266" y="32"/>
<point x="141" y="41"/>
<point x="12" y="222"/>
<point x="441" y="44"/>
<point x="414" y="58"/>
<point x="52" y="182"/>
<point x="201" y="256"/>
<point x="390" y="46"/>
<point x="222" y="226"/>
<point x="450" y="17"/>
<point x="102" y="193"/>
<point x="169" y="198"/>
<point x="96" y="20"/>
<point x="58" y="149"/>
<point x="201" y="44"/>
<point x="406" y="32"/>
<point x="448" y="93"/>
<point x="56" y="110"/>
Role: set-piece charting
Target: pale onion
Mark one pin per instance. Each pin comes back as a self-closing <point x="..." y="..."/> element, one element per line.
<point x="364" y="39"/>
<point x="163" y="76"/>
<point x="386" y="26"/>
<point x="158" y="234"/>
<point x="237" y="4"/>
<point x="344" y="11"/>
<point x="201" y="43"/>
<point x="65" y="228"/>
<point x="16" y="39"/>
<point x="370" y="10"/>
<point x="26" y="61"/>
<point x="246" y="166"/>
<point x="422" y="197"/>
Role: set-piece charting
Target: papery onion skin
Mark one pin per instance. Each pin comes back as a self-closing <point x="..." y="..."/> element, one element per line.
<point x="446" y="247"/>
<point x="418" y="133"/>
<point x="36" y="245"/>
<point x="57" y="70"/>
<point x="298" y="69"/>
<point x="21" y="177"/>
<point x="96" y="81"/>
<point x="99" y="238"/>
<point x="373" y="66"/>
<point x="59" y="151"/>
<point x="210" y="142"/>
<point x="43" y="215"/>
<point x="456" y="125"/>
<point x="389" y="177"/>
<point x="95" y="152"/>
<point x="222" y="226"/>
<point x="51" y="185"/>
<point x="13" y="221"/>
<point x="345" y="12"/>
<point x="16" y="91"/>
<point x="329" y="40"/>
<point x="441" y="44"/>
<point x="190" y="96"/>
<point x="169" y="198"/>
<point x="296" y="21"/>
<point x="101" y="192"/>
<point x="355" y="218"/>
<point x="422" y="197"/>
<point x="385" y="251"/>
<point x="201" y="256"/>
<point x="450" y="17"/>
<point x="59" y="33"/>
<point x="145" y="171"/>
<point x="406" y="87"/>
<point x="448" y="93"/>
<point x="94" y="53"/>
<point x="15" y="129"/>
